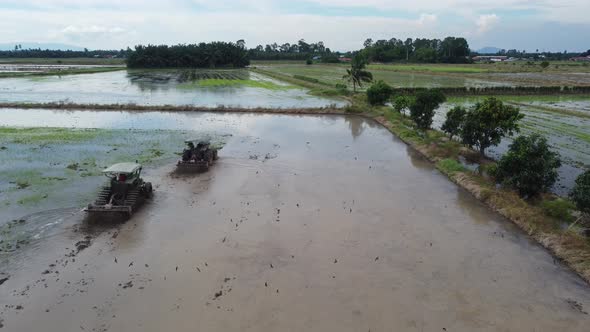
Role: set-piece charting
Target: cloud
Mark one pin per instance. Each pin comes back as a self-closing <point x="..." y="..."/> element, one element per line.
<point x="84" y="33"/>
<point x="341" y="24"/>
<point x="486" y="22"/>
<point x="427" y="19"/>
<point x="93" y="29"/>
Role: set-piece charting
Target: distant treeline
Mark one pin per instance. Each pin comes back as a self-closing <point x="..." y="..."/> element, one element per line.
<point x="555" y="56"/>
<point x="203" y="55"/>
<point x="448" y="50"/>
<point x="39" y="53"/>
<point x="300" y="50"/>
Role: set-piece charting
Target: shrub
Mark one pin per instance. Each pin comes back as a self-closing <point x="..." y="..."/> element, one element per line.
<point x="329" y="58"/>
<point x="450" y="166"/>
<point x="342" y="89"/>
<point x="309" y="62"/>
<point x="422" y="109"/>
<point x="529" y="165"/>
<point x="401" y="103"/>
<point x="545" y="64"/>
<point x="454" y="121"/>
<point x="487" y="122"/>
<point x="559" y="208"/>
<point x="379" y="93"/>
<point x="581" y="192"/>
<point x="307" y="79"/>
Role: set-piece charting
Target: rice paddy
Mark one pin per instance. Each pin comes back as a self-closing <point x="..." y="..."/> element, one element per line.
<point x="203" y="88"/>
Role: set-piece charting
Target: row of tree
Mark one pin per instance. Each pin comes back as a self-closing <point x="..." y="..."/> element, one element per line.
<point x="529" y="166"/>
<point x="300" y="50"/>
<point x="203" y="55"/>
<point x="449" y="50"/>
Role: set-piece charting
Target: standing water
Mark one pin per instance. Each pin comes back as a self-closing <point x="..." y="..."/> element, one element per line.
<point x="321" y="223"/>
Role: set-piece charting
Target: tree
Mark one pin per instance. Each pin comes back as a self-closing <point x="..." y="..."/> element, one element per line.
<point x="454" y="122"/>
<point x="529" y="166"/>
<point x="425" y="55"/>
<point x="581" y="192"/>
<point x="379" y="93"/>
<point x="545" y="64"/>
<point x="368" y="42"/>
<point x="423" y="106"/>
<point x="487" y="122"/>
<point x="401" y="103"/>
<point x="357" y="73"/>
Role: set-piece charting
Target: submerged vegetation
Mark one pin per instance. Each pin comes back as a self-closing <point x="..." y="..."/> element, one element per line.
<point x="71" y="157"/>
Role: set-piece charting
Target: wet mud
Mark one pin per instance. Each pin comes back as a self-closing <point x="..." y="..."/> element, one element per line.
<point x="344" y="229"/>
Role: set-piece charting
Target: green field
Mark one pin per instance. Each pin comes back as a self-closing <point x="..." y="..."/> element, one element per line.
<point x="516" y="73"/>
<point x="332" y="74"/>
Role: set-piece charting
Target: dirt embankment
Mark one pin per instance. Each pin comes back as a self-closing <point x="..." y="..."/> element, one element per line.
<point x="573" y="249"/>
<point x="172" y="108"/>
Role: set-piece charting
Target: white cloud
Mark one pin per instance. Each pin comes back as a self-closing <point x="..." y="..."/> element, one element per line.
<point x="93" y="29"/>
<point x="427" y="19"/>
<point x="90" y="33"/>
<point x="486" y="22"/>
<point x="116" y="23"/>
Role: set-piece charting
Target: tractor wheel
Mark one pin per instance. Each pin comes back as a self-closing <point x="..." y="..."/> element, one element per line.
<point x="147" y="189"/>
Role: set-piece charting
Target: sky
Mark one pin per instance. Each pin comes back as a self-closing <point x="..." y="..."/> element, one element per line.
<point x="546" y="25"/>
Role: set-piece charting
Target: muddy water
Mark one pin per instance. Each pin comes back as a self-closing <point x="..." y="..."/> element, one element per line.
<point x="155" y="87"/>
<point x="304" y="224"/>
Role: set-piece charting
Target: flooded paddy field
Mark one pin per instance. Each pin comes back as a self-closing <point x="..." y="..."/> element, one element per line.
<point x="206" y="88"/>
<point x="43" y="68"/>
<point x="564" y="122"/>
<point x="333" y="74"/>
<point x="541" y="78"/>
<point x="438" y="76"/>
<point x="316" y="223"/>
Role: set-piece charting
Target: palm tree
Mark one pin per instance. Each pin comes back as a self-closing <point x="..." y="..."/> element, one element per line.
<point x="357" y="73"/>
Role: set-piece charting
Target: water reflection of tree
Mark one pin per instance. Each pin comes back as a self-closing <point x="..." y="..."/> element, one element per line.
<point x="356" y="125"/>
<point x="167" y="79"/>
<point x="418" y="160"/>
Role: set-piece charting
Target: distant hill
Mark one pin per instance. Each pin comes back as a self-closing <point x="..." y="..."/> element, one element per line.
<point x="43" y="46"/>
<point x="488" y="50"/>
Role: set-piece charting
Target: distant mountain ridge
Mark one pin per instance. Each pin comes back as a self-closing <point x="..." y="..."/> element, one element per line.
<point x="43" y="46"/>
<point x="488" y="50"/>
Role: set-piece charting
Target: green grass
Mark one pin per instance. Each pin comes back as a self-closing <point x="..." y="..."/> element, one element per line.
<point x="46" y="135"/>
<point x="450" y="166"/>
<point x="432" y="68"/>
<point x="216" y="82"/>
<point x="32" y="199"/>
<point x="559" y="208"/>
